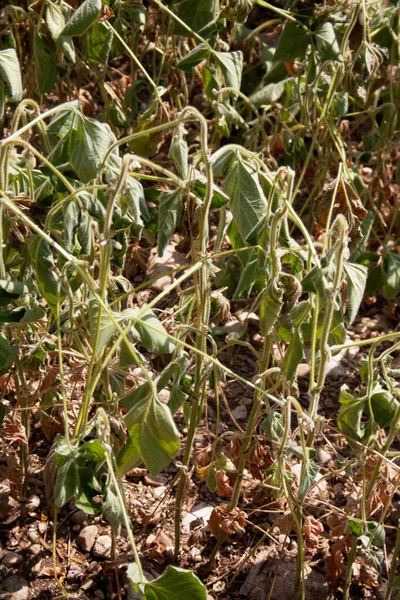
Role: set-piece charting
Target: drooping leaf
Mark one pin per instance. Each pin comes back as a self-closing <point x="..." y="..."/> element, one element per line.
<point x="308" y="477"/>
<point x="66" y="482"/>
<point x="327" y="44"/>
<point x="179" y="152"/>
<point x="10" y="73"/>
<point x="89" y="144"/>
<point x="271" y="306"/>
<point x="196" y="15"/>
<point x="99" y="43"/>
<point x="153" y="334"/>
<point x="356" y="281"/>
<point x="112" y="510"/>
<point x="11" y="290"/>
<point x="293" y="43"/>
<point x="231" y="65"/>
<point x="268" y="94"/>
<point x="45" y="271"/>
<point x="71" y="220"/>
<point x="384" y="406"/>
<point x="193" y="58"/>
<point x="86" y="491"/>
<point x="56" y="21"/>
<point x="83" y="18"/>
<point x="2" y="100"/>
<point x="153" y="436"/>
<point x="46" y="66"/>
<point x="393" y="270"/>
<point x="350" y="413"/>
<point x="104" y="331"/>
<point x="12" y="316"/>
<point x="169" y="215"/>
<point x="247" y="201"/>
<point x="7" y="354"/>
<point x="294" y="354"/>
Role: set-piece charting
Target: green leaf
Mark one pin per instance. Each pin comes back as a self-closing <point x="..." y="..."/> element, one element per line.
<point x="293" y="43"/>
<point x="294" y="354"/>
<point x="89" y="144"/>
<point x="327" y="45"/>
<point x="2" y="100"/>
<point x="99" y="43"/>
<point x="86" y="490"/>
<point x="355" y="527"/>
<point x="356" y="281"/>
<point x="231" y="65"/>
<point x="169" y="215"/>
<point x="94" y="453"/>
<point x="350" y="413"/>
<point x="393" y="270"/>
<point x="247" y="201"/>
<point x="106" y="329"/>
<point x="45" y="271"/>
<point x="153" y="436"/>
<point x="10" y="73"/>
<point x="193" y="58"/>
<point x="273" y="426"/>
<point x="12" y="316"/>
<point x="271" y="306"/>
<point x="179" y="152"/>
<point x="222" y="160"/>
<point x="176" y="584"/>
<point x="308" y="477"/>
<point x="153" y="334"/>
<point x="195" y="14"/>
<point x="11" y="290"/>
<point x="45" y="65"/>
<point x="56" y="21"/>
<point x="66" y="482"/>
<point x="268" y="94"/>
<point x="7" y="354"/>
<point x="71" y="220"/>
<point x="83" y="18"/>
<point x="112" y="510"/>
<point x="384" y="406"/>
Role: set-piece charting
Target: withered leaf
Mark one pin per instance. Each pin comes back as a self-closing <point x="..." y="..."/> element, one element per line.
<point x="347" y="202"/>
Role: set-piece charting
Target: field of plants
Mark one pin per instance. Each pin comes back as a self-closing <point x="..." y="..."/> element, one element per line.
<point x="199" y="299"/>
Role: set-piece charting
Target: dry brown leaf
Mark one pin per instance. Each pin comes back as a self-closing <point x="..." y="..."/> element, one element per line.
<point x="346" y="202"/>
<point x="50" y="378"/>
<point x="11" y="469"/>
<point x="14" y="432"/>
<point x="202" y="456"/>
<point x="50" y="425"/>
<point x="334" y="562"/>
<point x="224" y="487"/>
<point x="284" y="523"/>
<point x="312" y="530"/>
<point x="227" y="523"/>
<point x="337" y="524"/>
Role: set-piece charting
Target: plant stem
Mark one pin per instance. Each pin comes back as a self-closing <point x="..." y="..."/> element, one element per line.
<point x="203" y="315"/>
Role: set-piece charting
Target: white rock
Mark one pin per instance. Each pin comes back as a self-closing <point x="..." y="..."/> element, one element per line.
<point x="87" y="537"/>
<point x="11" y="559"/>
<point x="200" y="511"/>
<point x="33" y="503"/>
<point x="102" y="547"/>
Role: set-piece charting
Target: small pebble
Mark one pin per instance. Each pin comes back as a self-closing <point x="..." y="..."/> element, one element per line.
<point x="87" y="537"/>
<point x="11" y="559"/>
<point x="102" y="547"/>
